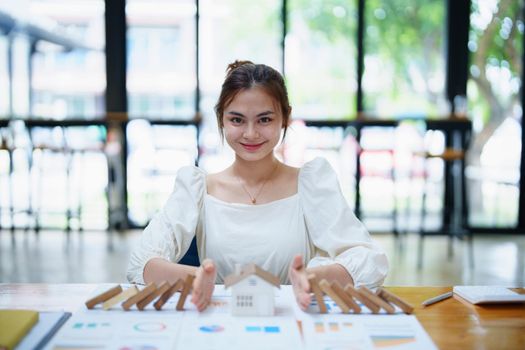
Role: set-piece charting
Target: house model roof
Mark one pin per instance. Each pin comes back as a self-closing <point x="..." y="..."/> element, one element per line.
<point x="249" y="270"/>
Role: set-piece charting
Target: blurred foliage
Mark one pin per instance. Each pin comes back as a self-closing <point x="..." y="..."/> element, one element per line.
<point x="334" y="19"/>
<point x="406" y="31"/>
<point x="405" y="35"/>
<point x="321" y="60"/>
<point x="496" y="45"/>
<point x="408" y="36"/>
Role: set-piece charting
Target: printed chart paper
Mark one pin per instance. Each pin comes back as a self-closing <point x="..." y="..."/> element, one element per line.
<point x="218" y="332"/>
<point x="94" y="330"/>
<point x="216" y="328"/>
<point x="120" y="330"/>
<point x="334" y="309"/>
<point x="356" y="332"/>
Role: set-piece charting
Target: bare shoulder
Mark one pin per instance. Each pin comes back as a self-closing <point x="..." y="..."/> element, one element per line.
<point x="287" y="182"/>
<point x="218" y="181"/>
<point x="290" y="173"/>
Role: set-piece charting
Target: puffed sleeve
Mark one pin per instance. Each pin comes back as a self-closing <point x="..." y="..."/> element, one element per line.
<point x="170" y="232"/>
<point x="336" y="233"/>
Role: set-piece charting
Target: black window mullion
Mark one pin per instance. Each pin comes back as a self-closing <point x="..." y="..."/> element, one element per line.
<point x="284" y="19"/>
<point x="457" y="55"/>
<point x="117" y="104"/>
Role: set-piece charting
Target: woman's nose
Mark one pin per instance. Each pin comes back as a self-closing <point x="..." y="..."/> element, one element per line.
<point x="251" y="131"/>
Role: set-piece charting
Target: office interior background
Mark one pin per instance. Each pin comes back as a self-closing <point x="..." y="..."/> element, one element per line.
<point x="416" y="104"/>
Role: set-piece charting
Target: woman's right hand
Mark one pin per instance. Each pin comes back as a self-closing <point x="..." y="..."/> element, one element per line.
<point x="203" y="284"/>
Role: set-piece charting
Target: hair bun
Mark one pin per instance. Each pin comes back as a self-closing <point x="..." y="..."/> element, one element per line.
<point x="233" y="66"/>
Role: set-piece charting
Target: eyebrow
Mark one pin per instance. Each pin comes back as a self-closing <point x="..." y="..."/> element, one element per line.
<point x="262" y="114"/>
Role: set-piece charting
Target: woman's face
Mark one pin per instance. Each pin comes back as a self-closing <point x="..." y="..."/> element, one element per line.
<point x="252" y="124"/>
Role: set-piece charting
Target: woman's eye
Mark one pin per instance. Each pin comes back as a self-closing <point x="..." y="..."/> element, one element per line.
<point x="265" y="120"/>
<point x="236" y="120"/>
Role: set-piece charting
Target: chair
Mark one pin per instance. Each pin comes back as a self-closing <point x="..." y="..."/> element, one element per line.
<point x="455" y="206"/>
<point x="13" y="140"/>
<point x="376" y="160"/>
<point x="60" y="147"/>
<point x="7" y="183"/>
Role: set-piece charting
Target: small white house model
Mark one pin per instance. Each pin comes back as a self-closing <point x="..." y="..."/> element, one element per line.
<point x="252" y="291"/>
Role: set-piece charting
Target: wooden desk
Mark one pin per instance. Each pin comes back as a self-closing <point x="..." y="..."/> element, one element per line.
<point x="452" y="324"/>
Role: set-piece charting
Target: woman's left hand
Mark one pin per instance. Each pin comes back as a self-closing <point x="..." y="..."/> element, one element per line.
<point x="300" y="284"/>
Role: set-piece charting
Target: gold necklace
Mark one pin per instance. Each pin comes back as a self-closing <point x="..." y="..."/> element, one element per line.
<point x="253" y="199"/>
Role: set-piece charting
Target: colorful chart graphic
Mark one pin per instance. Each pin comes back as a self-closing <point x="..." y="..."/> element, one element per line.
<point x="149" y="327"/>
<point x="262" y="329"/>
<point x="251" y="329"/>
<point x="272" y="329"/>
<point x="211" y="329"/>
<point x="333" y="327"/>
<point x="384" y="341"/>
<point x="90" y="325"/>
<point x="331" y="306"/>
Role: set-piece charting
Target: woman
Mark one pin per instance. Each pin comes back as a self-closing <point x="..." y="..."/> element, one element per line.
<point x="258" y="210"/>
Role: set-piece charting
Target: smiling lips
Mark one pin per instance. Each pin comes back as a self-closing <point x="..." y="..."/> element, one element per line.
<point x="252" y="147"/>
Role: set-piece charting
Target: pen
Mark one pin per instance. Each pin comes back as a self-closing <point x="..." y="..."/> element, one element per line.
<point x="437" y="299"/>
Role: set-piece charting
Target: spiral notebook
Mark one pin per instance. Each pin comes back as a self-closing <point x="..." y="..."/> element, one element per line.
<point x="488" y="294"/>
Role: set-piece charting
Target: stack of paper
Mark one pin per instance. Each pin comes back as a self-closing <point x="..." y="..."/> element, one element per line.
<point x="488" y="294"/>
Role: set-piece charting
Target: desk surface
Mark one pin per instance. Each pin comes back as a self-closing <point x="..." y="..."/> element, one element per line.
<point x="452" y="324"/>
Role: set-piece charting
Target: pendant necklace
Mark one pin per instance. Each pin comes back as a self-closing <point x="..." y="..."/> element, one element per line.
<point x="253" y="199"/>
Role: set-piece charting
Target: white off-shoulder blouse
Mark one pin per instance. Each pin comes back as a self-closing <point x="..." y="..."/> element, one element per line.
<point x="315" y="222"/>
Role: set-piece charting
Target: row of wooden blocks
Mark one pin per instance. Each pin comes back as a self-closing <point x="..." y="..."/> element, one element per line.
<point x="132" y="296"/>
<point x="346" y="297"/>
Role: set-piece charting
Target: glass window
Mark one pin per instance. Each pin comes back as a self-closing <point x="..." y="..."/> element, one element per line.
<point x="4" y="78"/>
<point x="404" y="58"/>
<point x="68" y="77"/>
<point x="20" y="57"/>
<point x="155" y="154"/>
<point x="161" y="72"/>
<point x="232" y="30"/>
<point x="335" y="144"/>
<point x="320" y="58"/>
<point x="229" y="31"/>
<point x="496" y="49"/>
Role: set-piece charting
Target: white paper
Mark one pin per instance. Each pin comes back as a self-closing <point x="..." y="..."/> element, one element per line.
<point x="218" y="332"/>
<point x="216" y="328"/>
<point x="397" y="332"/>
<point x="488" y="294"/>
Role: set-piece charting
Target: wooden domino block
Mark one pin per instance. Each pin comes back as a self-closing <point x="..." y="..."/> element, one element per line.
<point x="350" y="290"/>
<point x="377" y="300"/>
<point x="185" y="291"/>
<point x="325" y="287"/>
<point x="120" y="297"/>
<point x="149" y="298"/>
<point x="168" y="294"/>
<point x="314" y="286"/>
<point x="394" y="299"/>
<point x="139" y="296"/>
<point x="103" y="296"/>
<point x="336" y="287"/>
